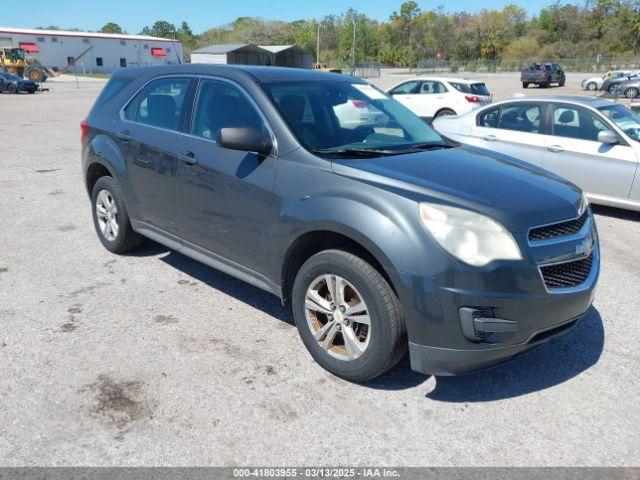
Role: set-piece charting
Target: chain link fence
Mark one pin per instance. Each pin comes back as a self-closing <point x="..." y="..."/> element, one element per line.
<point x="367" y="70"/>
<point x="595" y="64"/>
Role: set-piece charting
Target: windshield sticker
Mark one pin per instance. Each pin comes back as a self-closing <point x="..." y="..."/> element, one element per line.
<point x="370" y="92"/>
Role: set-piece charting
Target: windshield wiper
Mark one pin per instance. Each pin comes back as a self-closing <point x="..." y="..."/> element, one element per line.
<point x="429" y="146"/>
<point x="354" y="152"/>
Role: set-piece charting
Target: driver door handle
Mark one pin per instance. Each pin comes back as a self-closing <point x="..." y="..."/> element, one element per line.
<point x="490" y="138"/>
<point x="125" y="136"/>
<point x="188" y="158"/>
<point x="555" y="149"/>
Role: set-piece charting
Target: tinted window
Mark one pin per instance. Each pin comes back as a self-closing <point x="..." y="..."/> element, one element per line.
<point x="523" y="118"/>
<point x="161" y="103"/>
<point x="131" y="110"/>
<point x="577" y="123"/>
<point x="223" y="106"/>
<point x="430" y="87"/>
<point x="490" y="118"/>
<point x="473" y="88"/>
<point x="405" y="88"/>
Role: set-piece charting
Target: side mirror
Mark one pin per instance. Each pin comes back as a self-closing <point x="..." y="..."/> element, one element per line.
<point x="245" y="140"/>
<point x="608" y="137"/>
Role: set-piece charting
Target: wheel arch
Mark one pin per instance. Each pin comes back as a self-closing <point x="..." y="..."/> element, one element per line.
<point x="444" y="109"/>
<point x="102" y="157"/>
<point x="307" y="244"/>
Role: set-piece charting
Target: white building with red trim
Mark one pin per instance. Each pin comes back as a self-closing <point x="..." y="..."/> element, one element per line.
<point x="92" y="52"/>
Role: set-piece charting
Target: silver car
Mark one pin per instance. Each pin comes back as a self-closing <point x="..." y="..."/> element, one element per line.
<point x="629" y="88"/>
<point x="592" y="142"/>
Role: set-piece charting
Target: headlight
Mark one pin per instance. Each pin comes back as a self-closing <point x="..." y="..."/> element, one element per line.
<point x="469" y="236"/>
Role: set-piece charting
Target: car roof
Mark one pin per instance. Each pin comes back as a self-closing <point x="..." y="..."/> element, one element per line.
<point x="248" y="72"/>
<point x="592" y="102"/>
<point x="446" y="79"/>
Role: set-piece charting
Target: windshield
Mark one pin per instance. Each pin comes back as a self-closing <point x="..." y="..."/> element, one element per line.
<point x="474" y="88"/>
<point x="625" y="119"/>
<point x="339" y="116"/>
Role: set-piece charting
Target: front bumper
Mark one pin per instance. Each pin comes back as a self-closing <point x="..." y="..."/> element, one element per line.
<point x="511" y="299"/>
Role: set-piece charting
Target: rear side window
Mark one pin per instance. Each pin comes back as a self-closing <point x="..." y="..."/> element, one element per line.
<point x="223" y="106"/>
<point x="431" y="87"/>
<point x="490" y="118"/>
<point x="160" y="104"/>
<point x="113" y="87"/>
<point x="473" y="88"/>
<point x="522" y="118"/>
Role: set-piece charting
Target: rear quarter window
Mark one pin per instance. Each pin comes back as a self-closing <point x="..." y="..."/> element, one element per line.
<point x="113" y="87"/>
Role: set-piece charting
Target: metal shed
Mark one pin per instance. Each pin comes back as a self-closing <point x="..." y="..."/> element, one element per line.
<point x="238" y="54"/>
<point x="248" y="54"/>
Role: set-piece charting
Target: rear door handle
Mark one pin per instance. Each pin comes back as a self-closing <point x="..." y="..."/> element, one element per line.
<point x="490" y="138"/>
<point x="188" y="158"/>
<point x="555" y="149"/>
<point x="125" y="136"/>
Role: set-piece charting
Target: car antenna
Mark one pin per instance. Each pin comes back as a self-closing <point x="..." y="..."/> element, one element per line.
<point x="176" y="50"/>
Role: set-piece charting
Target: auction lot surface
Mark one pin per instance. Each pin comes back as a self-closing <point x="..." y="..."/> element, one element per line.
<point x="155" y="359"/>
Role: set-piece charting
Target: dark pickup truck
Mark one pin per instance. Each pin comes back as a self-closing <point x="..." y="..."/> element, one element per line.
<point x="543" y="75"/>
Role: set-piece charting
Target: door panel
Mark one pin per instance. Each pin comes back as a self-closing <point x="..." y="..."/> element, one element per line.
<point x="574" y="153"/>
<point x="150" y="139"/>
<point x="223" y="196"/>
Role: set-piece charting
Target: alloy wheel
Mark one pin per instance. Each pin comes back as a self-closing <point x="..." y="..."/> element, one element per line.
<point x="107" y="213"/>
<point x="338" y="317"/>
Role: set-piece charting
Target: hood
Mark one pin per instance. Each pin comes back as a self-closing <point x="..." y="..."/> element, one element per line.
<point x="517" y="194"/>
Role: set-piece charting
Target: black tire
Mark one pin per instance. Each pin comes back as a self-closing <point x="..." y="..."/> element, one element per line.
<point x="546" y="84"/>
<point x="611" y="89"/>
<point x="388" y="341"/>
<point x="632" y="92"/>
<point x="562" y="82"/>
<point x="445" y="112"/>
<point x="525" y="84"/>
<point x="126" y="239"/>
<point x="12" y="89"/>
<point x="35" y="74"/>
<point x="592" y="86"/>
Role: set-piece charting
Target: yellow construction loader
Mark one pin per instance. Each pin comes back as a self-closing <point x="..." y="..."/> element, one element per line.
<point x="14" y="60"/>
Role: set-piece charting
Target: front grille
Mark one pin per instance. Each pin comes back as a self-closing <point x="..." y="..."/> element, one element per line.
<point x="557" y="230"/>
<point x="568" y="274"/>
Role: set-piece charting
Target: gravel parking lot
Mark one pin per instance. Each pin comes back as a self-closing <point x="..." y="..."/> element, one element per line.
<point x="155" y="359"/>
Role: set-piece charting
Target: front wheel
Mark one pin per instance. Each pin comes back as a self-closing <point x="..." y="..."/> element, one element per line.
<point x="12" y="89"/>
<point x="592" y="86"/>
<point x="347" y="315"/>
<point x="562" y="82"/>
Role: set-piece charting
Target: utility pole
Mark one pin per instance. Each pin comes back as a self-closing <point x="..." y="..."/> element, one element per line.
<point x="318" y="45"/>
<point x="353" y="46"/>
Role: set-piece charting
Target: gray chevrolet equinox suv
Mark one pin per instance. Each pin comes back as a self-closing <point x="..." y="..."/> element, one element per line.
<point x="322" y="190"/>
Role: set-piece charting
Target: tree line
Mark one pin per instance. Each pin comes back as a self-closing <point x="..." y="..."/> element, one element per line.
<point x="558" y="31"/>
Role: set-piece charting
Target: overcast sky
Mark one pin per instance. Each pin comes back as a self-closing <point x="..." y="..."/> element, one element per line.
<point x="132" y="15"/>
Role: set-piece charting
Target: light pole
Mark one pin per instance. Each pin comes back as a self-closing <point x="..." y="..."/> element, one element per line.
<point x="318" y="45"/>
<point x="353" y="46"/>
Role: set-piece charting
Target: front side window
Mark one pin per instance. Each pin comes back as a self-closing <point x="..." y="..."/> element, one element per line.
<point x="625" y="119"/>
<point x="321" y="114"/>
<point x="522" y="118"/>
<point x="219" y="106"/>
<point x="161" y="103"/>
<point x="578" y="123"/>
<point x="405" y="88"/>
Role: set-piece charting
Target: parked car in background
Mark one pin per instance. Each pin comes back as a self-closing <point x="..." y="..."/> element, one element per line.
<point x="383" y="238"/>
<point x="433" y="97"/>
<point x="543" y="75"/>
<point x="14" y="84"/>
<point x="628" y="88"/>
<point x="596" y="83"/>
<point x="612" y="84"/>
<point x="592" y="142"/>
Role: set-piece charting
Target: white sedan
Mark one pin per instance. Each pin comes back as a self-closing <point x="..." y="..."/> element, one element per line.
<point x="432" y="97"/>
<point x="593" y="143"/>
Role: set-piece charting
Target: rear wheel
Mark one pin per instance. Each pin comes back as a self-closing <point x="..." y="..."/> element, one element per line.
<point x="12" y="89"/>
<point x="110" y="217"/>
<point x="631" y="92"/>
<point x="592" y="86"/>
<point x="525" y="84"/>
<point x="562" y="82"/>
<point x="446" y="112"/>
<point x="347" y="315"/>
<point x="35" y="74"/>
<point x="611" y="89"/>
